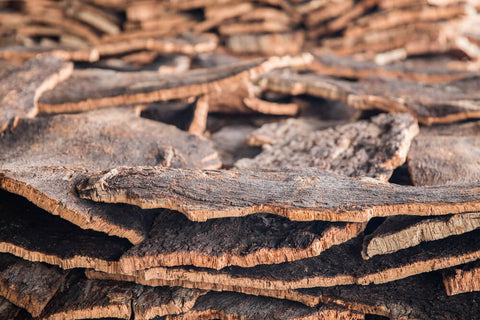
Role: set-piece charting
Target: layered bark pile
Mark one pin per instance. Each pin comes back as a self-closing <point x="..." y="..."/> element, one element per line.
<point x="239" y="160"/>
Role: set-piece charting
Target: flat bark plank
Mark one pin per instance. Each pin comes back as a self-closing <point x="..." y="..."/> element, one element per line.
<point x="372" y="148"/>
<point x="445" y="155"/>
<point x="258" y="239"/>
<point x="137" y="141"/>
<point x="30" y="233"/>
<point x="28" y="285"/>
<point x="462" y="279"/>
<point x="93" y="88"/>
<point x="230" y="305"/>
<point x="339" y="265"/>
<point x="268" y="44"/>
<point x="20" y="88"/>
<point x="80" y="298"/>
<point x="429" y="103"/>
<point x="19" y="54"/>
<point x="305" y="194"/>
<point x="422" y="70"/>
<point x="400" y="232"/>
<point x="52" y="189"/>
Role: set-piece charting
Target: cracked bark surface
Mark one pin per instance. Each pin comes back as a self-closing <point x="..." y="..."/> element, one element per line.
<point x="21" y="88"/>
<point x="372" y="148"/>
<point x="428" y="103"/>
<point x="305" y="194"/>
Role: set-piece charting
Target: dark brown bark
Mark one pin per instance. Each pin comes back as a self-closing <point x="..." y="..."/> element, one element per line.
<point x="401" y="232"/>
<point x="9" y="311"/>
<point x="33" y="234"/>
<point x="372" y="148"/>
<point x="28" y="285"/>
<point x="229" y="305"/>
<point x="230" y="143"/>
<point x="445" y="155"/>
<point x="306" y="194"/>
<point x="429" y="103"/>
<point x="20" y="88"/>
<point x="462" y="279"/>
<point x="258" y="239"/>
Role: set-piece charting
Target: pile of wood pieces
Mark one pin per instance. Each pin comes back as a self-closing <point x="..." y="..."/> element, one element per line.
<point x="269" y="159"/>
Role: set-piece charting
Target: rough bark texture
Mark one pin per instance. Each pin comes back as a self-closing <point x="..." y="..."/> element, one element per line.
<point x="306" y="194"/>
<point x="462" y="279"/>
<point x="269" y="44"/>
<point x="401" y="232"/>
<point x="116" y="88"/>
<point x="33" y="234"/>
<point x="372" y="148"/>
<point x="103" y="139"/>
<point x="9" y="311"/>
<point x="20" y="88"/>
<point x="258" y="239"/>
<point x="80" y="298"/>
<point x="445" y="155"/>
<point x="340" y="265"/>
<point x="28" y="285"/>
<point x="229" y="305"/>
<point x="429" y="103"/>
<point x="20" y="54"/>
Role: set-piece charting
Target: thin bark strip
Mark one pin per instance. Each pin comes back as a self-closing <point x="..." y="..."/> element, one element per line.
<point x="33" y="234"/>
<point x="445" y="155"/>
<point x="372" y="148"/>
<point x="429" y="103"/>
<point x="462" y="279"/>
<point x="230" y="306"/>
<point x="28" y="285"/>
<point x="258" y="239"/>
<point x="401" y="232"/>
<point x="304" y="194"/>
<point x="21" y="88"/>
<point x="95" y="88"/>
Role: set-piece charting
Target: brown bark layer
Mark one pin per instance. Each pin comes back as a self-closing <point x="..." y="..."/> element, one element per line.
<point x="401" y="232"/>
<point x="339" y="265"/>
<point x="20" y="88"/>
<point x="462" y="279"/>
<point x="33" y="234"/>
<point x="9" y="311"/>
<point x="230" y="143"/>
<point x="19" y="54"/>
<point x="445" y="155"/>
<point x="80" y="298"/>
<point x="230" y="305"/>
<point x="429" y="103"/>
<point x="27" y="284"/>
<point x="372" y="148"/>
<point x="93" y="88"/>
<point x="268" y="44"/>
<point x="258" y="239"/>
<point x="305" y="194"/>
<point x="103" y="139"/>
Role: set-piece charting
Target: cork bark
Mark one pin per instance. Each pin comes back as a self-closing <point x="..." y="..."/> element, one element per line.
<point x="304" y="194"/>
<point x="27" y="284"/>
<point x="21" y="88"/>
<point x="258" y="239"/>
<point x="445" y="155"/>
<point x="428" y="103"/>
<point x="401" y="232"/>
<point x="20" y="54"/>
<point x="9" y="311"/>
<point x="462" y="279"/>
<point x="372" y="148"/>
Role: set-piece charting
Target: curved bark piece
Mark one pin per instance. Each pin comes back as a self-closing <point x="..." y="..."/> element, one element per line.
<point x="462" y="279"/>
<point x="27" y="284"/>
<point x="53" y="190"/>
<point x="103" y="139"/>
<point x="230" y="305"/>
<point x="20" y="88"/>
<point x="20" y="54"/>
<point x="258" y="239"/>
<point x="91" y="299"/>
<point x="305" y="194"/>
<point x="445" y="155"/>
<point x="372" y="148"/>
<point x="95" y="88"/>
<point x="33" y="234"/>
<point x="337" y="266"/>
<point x="398" y="233"/>
<point x="429" y="103"/>
<point x="422" y="70"/>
